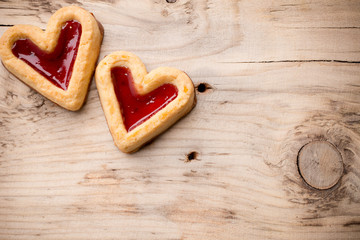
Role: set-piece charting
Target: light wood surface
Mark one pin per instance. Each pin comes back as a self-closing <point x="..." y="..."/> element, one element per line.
<point x="278" y="74"/>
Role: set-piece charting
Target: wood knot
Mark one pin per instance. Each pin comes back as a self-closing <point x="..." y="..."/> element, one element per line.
<point x="171" y="1"/>
<point x="320" y="164"/>
<point x="203" y="87"/>
<point x="191" y="156"/>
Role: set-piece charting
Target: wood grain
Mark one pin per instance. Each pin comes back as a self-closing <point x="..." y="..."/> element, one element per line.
<point x="280" y="74"/>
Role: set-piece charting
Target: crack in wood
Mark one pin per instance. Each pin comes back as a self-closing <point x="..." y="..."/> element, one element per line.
<point x="352" y="223"/>
<point x="350" y="27"/>
<point x="298" y="61"/>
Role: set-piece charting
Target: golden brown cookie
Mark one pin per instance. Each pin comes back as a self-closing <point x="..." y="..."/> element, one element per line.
<point x="138" y="105"/>
<point x="58" y="62"/>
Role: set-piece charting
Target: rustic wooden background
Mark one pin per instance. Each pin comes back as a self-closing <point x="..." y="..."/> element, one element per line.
<point x="278" y="74"/>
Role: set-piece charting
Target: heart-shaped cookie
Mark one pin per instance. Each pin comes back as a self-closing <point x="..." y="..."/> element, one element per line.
<point x="58" y="62"/>
<point x="138" y="105"/>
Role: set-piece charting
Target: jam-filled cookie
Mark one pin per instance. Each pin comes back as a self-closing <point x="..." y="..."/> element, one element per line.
<point x="58" y="62"/>
<point x="139" y="105"/>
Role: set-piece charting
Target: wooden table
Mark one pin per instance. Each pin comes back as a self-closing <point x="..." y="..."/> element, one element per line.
<point x="276" y="78"/>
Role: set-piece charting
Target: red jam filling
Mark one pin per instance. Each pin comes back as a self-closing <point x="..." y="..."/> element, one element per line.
<point x="136" y="108"/>
<point x="56" y="66"/>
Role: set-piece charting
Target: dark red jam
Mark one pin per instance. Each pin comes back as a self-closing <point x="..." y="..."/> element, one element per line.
<point x="56" y="66"/>
<point x="136" y="108"/>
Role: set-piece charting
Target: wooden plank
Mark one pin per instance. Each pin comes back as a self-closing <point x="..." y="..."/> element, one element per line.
<point x="283" y="74"/>
<point x="257" y="31"/>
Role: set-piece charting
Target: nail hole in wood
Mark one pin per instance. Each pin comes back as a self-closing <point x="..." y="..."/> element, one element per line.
<point x="191" y="156"/>
<point x="203" y="87"/>
<point x="171" y="1"/>
<point x="320" y="164"/>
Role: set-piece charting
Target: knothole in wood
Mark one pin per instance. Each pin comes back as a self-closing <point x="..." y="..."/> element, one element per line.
<point x="203" y="87"/>
<point x="191" y="156"/>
